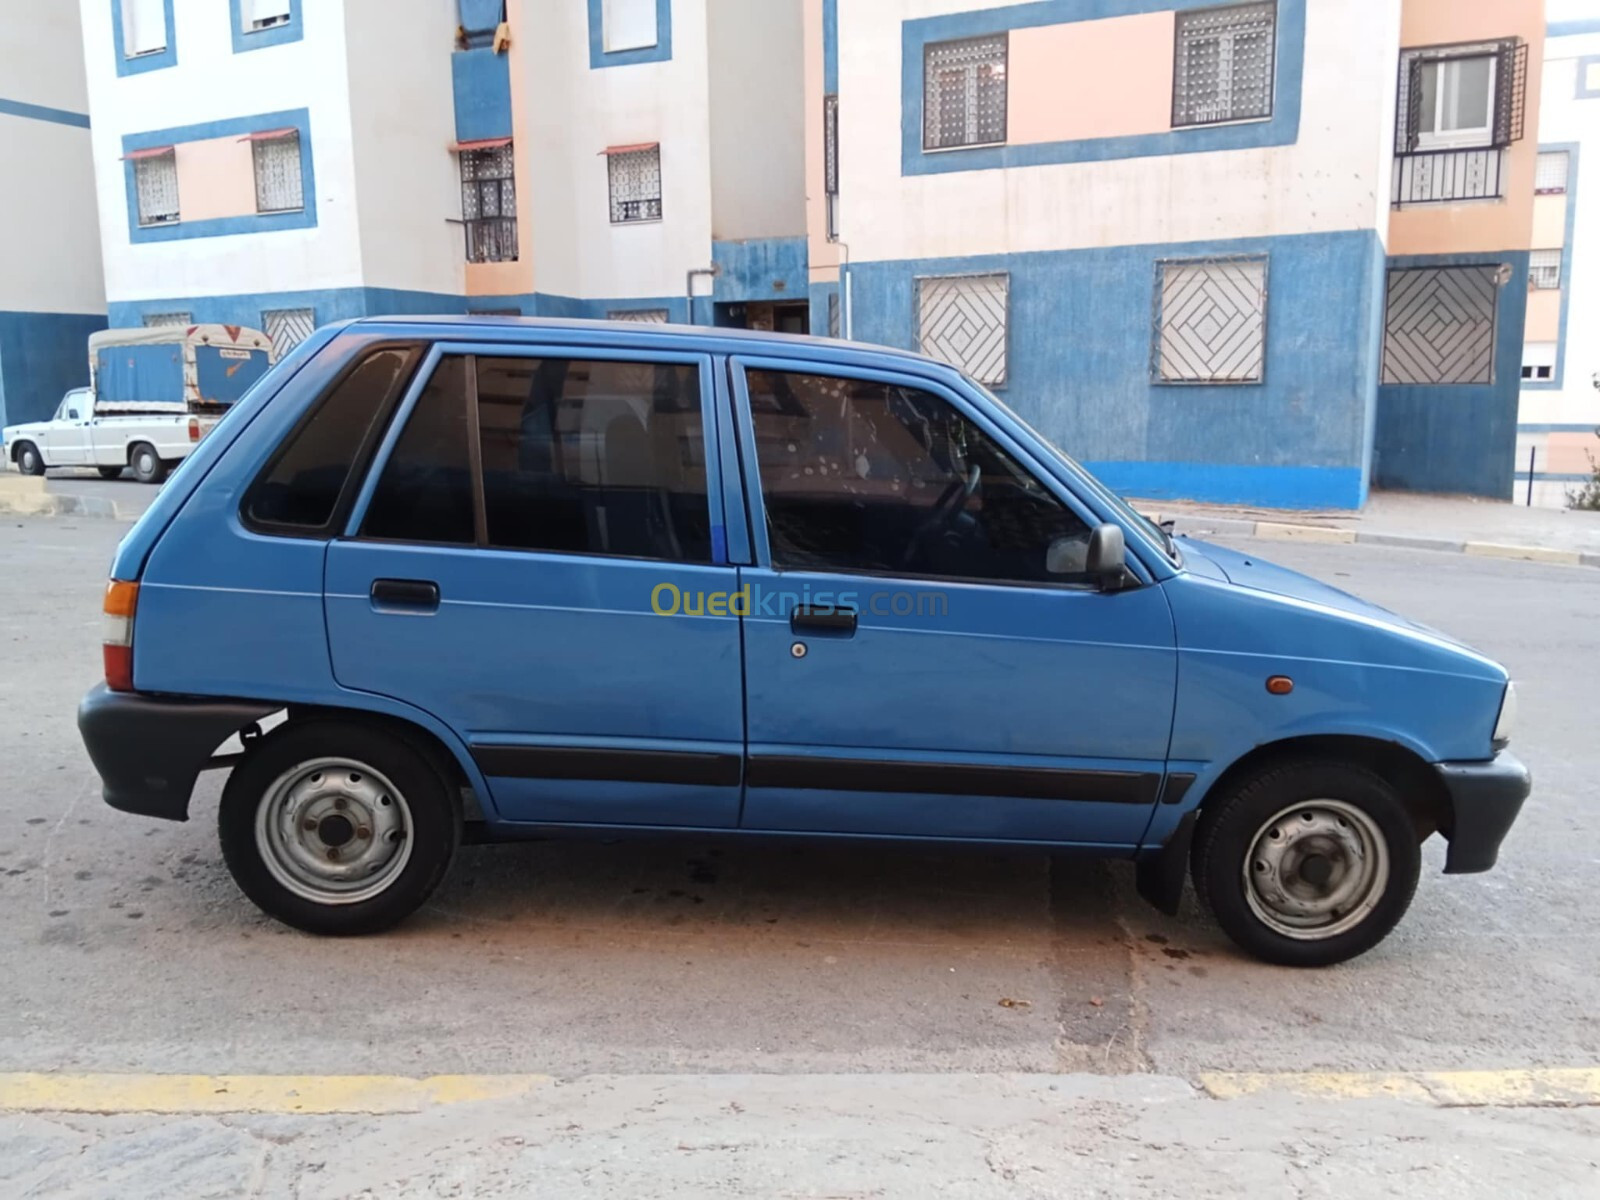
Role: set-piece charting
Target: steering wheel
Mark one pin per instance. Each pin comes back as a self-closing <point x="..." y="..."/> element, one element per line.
<point x="945" y="510"/>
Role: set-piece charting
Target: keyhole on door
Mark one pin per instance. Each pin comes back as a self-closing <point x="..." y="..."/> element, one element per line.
<point x="798" y="650"/>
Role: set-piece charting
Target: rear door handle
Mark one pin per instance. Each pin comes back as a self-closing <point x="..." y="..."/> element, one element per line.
<point x="406" y="595"/>
<point x="806" y="618"/>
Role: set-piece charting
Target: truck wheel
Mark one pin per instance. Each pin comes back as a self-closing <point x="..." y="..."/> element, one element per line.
<point x="336" y="827"/>
<point x="1307" y="864"/>
<point x="28" y="460"/>
<point x="110" y="472"/>
<point x="147" y="464"/>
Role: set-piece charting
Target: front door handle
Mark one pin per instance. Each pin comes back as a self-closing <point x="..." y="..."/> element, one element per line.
<point x="807" y="618"/>
<point x="405" y="595"/>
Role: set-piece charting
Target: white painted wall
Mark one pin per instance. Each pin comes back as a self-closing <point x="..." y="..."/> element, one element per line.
<point x="210" y="83"/>
<point x="49" y="232"/>
<point x="1334" y="178"/>
<point x="758" y="120"/>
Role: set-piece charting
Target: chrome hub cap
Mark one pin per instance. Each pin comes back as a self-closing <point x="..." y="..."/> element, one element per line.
<point x="333" y="831"/>
<point x="1316" y="869"/>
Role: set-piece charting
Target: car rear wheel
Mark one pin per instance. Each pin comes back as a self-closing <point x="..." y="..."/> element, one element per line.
<point x="147" y="464"/>
<point x="336" y="827"/>
<point x="29" y="461"/>
<point x="1307" y="864"/>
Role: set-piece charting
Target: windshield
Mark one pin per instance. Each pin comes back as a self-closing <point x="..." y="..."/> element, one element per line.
<point x="1109" y="498"/>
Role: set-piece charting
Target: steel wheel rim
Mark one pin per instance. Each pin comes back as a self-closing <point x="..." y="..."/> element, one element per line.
<point x="1316" y="869"/>
<point x="29" y="458"/>
<point x="146" y="464"/>
<point x="334" y="831"/>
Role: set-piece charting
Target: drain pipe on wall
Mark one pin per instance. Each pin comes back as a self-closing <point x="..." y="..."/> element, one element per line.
<point x="847" y="298"/>
<point x="688" y="286"/>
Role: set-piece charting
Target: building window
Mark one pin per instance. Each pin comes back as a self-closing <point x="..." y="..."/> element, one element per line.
<point x="256" y="15"/>
<point x="962" y="319"/>
<point x="1550" y="176"/>
<point x="1456" y="103"/>
<point x="144" y="27"/>
<point x="1439" y="325"/>
<point x="630" y="25"/>
<point x="639" y="316"/>
<point x="1224" y="65"/>
<point x="635" y="176"/>
<point x="277" y="165"/>
<point x="286" y="328"/>
<point x="1461" y="97"/>
<point x="830" y="162"/>
<point x="161" y="320"/>
<point x="155" y="178"/>
<point x="489" y="203"/>
<point x="1544" y="269"/>
<point x="1211" y="321"/>
<point x="964" y="101"/>
<point x="1539" y="362"/>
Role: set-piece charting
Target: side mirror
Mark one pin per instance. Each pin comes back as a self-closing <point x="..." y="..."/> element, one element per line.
<point x="1107" y="559"/>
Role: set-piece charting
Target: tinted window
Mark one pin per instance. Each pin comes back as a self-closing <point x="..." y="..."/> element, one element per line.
<point x="302" y="487"/>
<point x="864" y="476"/>
<point x="425" y="494"/>
<point x="593" y="457"/>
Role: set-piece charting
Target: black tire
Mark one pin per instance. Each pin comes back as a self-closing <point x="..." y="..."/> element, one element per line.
<point x="146" y="463"/>
<point x="1227" y="835"/>
<point x="29" y="460"/>
<point x="434" y="823"/>
<point x="110" y="472"/>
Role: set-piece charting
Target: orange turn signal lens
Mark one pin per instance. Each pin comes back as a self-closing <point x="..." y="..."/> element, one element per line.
<point x="122" y="598"/>
<point x="1280" y="685"/>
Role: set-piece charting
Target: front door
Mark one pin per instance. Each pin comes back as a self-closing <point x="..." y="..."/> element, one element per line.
<point x="918" y="661"/>
<point x="499" y="570"/>
<point x="67" y="442"/>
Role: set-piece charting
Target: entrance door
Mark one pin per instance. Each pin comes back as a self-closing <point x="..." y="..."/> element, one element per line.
<point x="923" y="654"/>
<point x="499" y="571"/>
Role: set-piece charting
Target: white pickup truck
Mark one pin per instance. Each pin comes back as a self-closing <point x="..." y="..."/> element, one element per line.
<point x="76" y="436"/>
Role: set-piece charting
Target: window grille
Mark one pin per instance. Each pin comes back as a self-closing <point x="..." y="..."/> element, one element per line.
<point x="1439" y="325"/>
<point x="1224" y="65"/>
<point x="640" y="316"/>
<point x="1438" y="90"/>
<point x="489" y="203"/>
<point x="156" y="184"/>
<point x="635" y="185"/>
<point x="144" y="27"/>
<point x="964" y="100"/>
<point x="162" y="319"/>
<point x="962" y="319"/>
<point x="1550" y="176"/>
<point x="286" y="328"/>
<point x="1211" y="323"/>
<point x="1544" y="269"/>
<point x="278" y="183"/>
<point x="830" y="152"/>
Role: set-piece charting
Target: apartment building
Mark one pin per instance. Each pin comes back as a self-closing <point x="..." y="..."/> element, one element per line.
<point x="51" y="294"/>
<point x="1557" y="423"/>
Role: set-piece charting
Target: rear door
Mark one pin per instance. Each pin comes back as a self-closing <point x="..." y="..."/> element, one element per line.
<point x="526" y="508"/>
<point x="914" y="665"/>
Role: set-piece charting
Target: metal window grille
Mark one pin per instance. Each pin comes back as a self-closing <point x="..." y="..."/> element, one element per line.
<point x="1550" y="175"/>
<point x="1433" y="174"/>
<point x="1224" y="64"/>
<point x="1439" y="325"/>
<point x="1544" y="269"/>
<point x="635" y="177"/>
<point x="833" y="314"/>
<point x="1211" y="321"/>
<point x="277" y="164"/>
<point x="964" y="92"/>
<point x="286" y="328"/>
<point x="162" y="319"/>
<point x="640" y="316"/>
<point x="489" y="203"/>
<point x="830" y="155"/>
<point x="156" y="184"/>
<point x="144" y="27"/>
<point x="963" y="319"/>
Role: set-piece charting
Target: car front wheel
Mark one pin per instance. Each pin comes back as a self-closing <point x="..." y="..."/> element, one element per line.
<point x="1307" y="864"/>
<point x="29" y="461"/>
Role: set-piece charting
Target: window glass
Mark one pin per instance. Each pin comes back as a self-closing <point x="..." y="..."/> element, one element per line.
<point x="594" y="457"/>
<point x="425" y="494"/>
<point x="303" y="485"/>
<point x="864" y="476"/>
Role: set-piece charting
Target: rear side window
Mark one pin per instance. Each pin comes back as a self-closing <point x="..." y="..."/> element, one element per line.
<point x="426" y="492"/>
<point x="300" y="489"/>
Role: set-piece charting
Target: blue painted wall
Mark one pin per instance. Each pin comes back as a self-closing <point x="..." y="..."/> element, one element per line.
<point x="1080" y="341"/>
<point x="482" y="82"/>
<point x="820" y="292"/>
<point x="41" y="356"/>
<point x="762" y="269"/>
<point x="1458" y="438"/>
<point x="480" y="16"/>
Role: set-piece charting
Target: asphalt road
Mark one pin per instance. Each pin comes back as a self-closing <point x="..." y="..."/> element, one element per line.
<point x="127" y="948"/>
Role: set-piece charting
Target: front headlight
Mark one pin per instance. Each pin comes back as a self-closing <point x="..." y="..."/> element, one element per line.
<point x="1508" y="718"/>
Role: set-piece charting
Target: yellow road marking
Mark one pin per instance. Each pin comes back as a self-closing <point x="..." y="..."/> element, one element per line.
<point x="1550" y="1087"/>
<point x="310" y="1094"/>
<point x="1570" y="558"/>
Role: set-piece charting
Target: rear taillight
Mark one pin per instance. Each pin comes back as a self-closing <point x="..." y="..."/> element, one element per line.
<point x="121" y="599"/>
<point x="194" y="429"/>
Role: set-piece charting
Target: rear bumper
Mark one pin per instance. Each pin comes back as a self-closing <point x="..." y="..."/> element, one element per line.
<point x="1485" y="798"/>
<point x="148" y="750"/>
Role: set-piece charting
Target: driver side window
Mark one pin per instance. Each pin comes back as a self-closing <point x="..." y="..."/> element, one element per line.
<point x="862" y="476"/>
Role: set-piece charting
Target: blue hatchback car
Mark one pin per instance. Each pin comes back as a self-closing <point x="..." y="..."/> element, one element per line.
<point x="452" y="578"/>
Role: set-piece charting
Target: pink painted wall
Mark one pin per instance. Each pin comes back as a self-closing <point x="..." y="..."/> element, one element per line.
<point x="1549" y="222"/>
<point x="1544" y="316"/>
<point x="216" y="178"/>
<point x="1569" y="452"/>
<point x="1091" y="79"/>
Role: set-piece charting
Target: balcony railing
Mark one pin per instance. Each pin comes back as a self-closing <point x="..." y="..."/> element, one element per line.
<point x="1442" y="176"/>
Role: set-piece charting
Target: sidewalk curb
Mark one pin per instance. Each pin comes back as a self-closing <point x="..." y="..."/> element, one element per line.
<point x="47" y="504"/>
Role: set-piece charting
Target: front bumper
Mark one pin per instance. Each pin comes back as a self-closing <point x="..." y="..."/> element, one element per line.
<point x="148" y="750"/>
<point x="1485" y="798"/>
